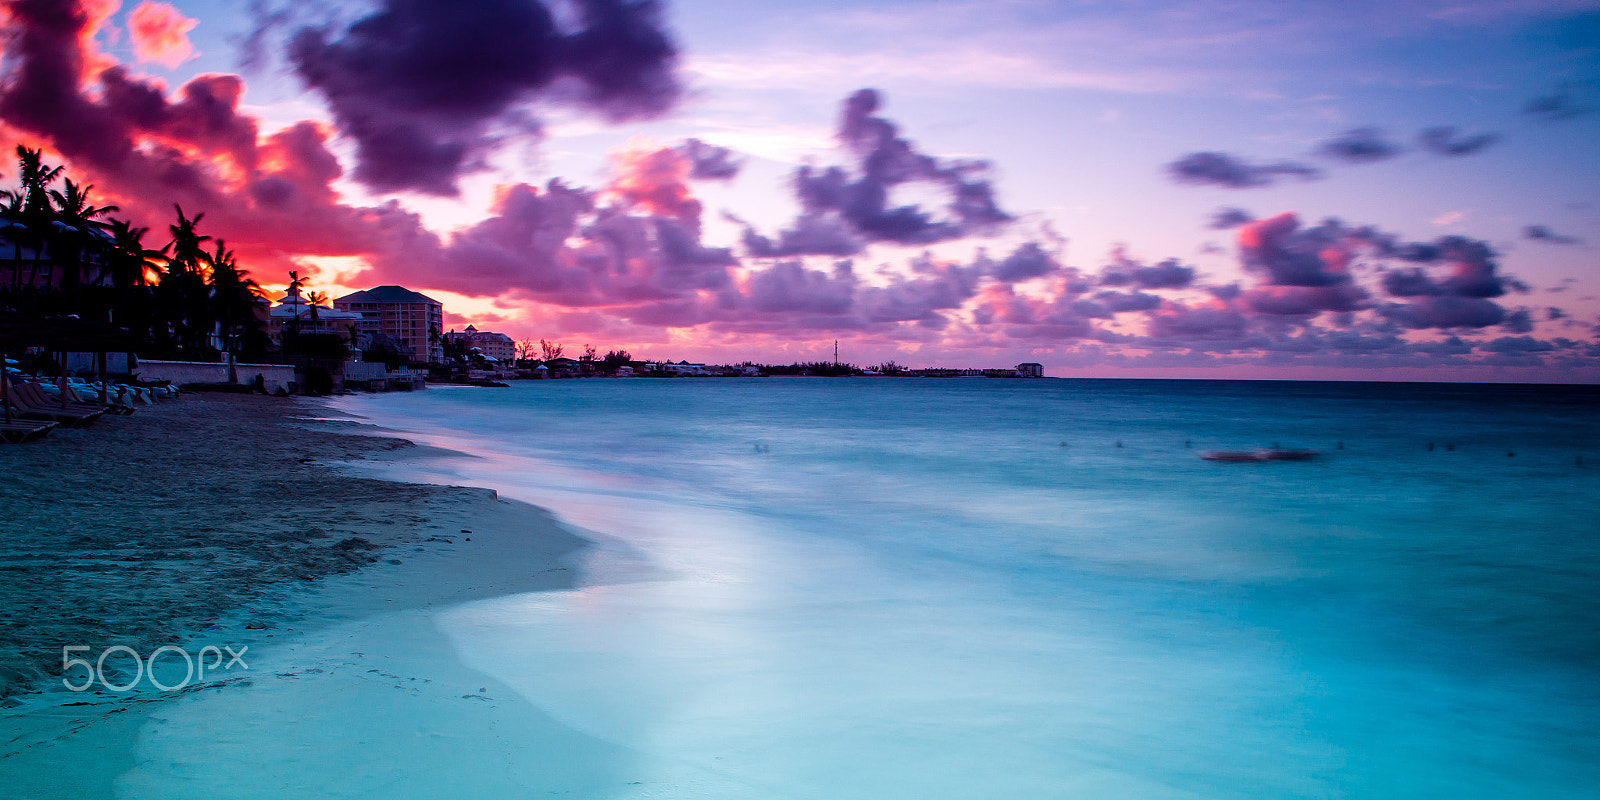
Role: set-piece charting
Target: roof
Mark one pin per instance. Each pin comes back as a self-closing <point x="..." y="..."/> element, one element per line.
<point x="388" y="294"/>
<point x="288" y="310"/>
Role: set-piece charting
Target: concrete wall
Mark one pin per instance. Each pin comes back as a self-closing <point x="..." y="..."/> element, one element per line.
<point x="276" y="375"/>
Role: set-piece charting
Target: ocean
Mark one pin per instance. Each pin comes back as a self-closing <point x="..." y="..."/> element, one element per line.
<point x="974" y="588"/>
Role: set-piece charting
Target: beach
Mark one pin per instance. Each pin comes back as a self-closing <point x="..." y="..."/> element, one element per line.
<point x="870" y="589"/>
<point x="219" y="519"/>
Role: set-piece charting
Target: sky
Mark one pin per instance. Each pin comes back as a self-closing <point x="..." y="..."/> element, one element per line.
<point x="1404" y="190"/>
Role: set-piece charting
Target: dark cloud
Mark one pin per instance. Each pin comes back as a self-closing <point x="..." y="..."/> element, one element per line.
<point x="1199" y="323"/>
<point x="1553" y="313"/>
<point x="1124" y="271"/>
<point x="1448" y="311"/>
<point x="1410" y="283"/>
<point x="710" y="162"/>
<point x="1222" y="169"/>
<point x="1289" y="255"/>
<point x="1445" y="141"/>
<point x="1541" y="233"/>
<point x="790" y="287"/>
<point x="1026" y="262"/>
<point x="843" y="209"/>
<point x="809" y="234"/>
<point x="422" y="85"/>
<point x="1304" y="300"/>
<point x="1519" y="321"/>
<point x="1228" y="217"/>
<point x="1516" y="344"/>
<point x="1359" y="146"/>
<point x="1558" y="106"/>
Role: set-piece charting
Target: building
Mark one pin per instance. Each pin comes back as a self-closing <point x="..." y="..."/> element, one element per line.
<point x="414" y="320"/>
<point x="497" y="346"/>
<point x="42" y="256"/>
<point x="325" y="320"/>
<point x="682" y="369"/>
<point x="1030" y="369"/>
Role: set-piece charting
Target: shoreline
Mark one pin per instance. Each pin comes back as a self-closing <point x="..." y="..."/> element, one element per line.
<point x="224" y="520"/>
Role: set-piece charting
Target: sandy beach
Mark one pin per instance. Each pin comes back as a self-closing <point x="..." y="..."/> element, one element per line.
<point x="218" y="519"/>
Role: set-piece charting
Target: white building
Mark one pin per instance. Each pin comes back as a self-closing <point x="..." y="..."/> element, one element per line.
<point x="494" y="345"/>
<point x="312" y="319"/>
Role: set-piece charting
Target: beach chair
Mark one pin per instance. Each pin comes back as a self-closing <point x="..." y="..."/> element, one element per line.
<point x="112" y="407"/>
<point x="22" y="430"/>
<point x="28" y="401"/>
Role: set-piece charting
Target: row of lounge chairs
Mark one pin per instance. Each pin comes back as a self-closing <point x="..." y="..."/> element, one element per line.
<point x="37" y="408"/>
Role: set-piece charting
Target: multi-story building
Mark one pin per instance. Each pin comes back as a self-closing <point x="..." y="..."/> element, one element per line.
<point x="497" y="346"/>
<point x="414" y="320"/>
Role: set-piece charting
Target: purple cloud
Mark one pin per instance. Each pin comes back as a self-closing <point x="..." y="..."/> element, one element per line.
<point x="422" y="85"/>
<point x="1227" y="171"/>
<point x="1445" y="141"/>
<point x="1359" y="146"/>
<point x="1227" y="218"/>
<point x="1541" y="233"/>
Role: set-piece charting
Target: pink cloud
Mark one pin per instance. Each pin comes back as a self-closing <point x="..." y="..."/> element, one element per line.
<point x="160" y="33"/>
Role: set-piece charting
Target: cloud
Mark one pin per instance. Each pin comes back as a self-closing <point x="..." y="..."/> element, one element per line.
<point x="710" y="162"/>
<point x="845" y="208"/>
<point x="1028" y="261"/>
<point x="1519" y="321"/>
<point x="1222" y="169"/>
<point x="1444" y="312"/>
<point x="1559" y="106"/>
<point x="627" y="257"/>
<point x="160" y="33"/>
<point x="1293" y="256"/>
<point x="1228" y="217"/>
<point x="422" y="86"/>
<point x="1516" y="344"/>
<point x="1124" y="271"/>
<point x="1359" y="146"/>
<point x="1444" y="141"/>
<point x="1541" y="233"/>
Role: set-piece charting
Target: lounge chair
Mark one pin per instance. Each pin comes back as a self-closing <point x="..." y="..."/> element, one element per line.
<point x="21" y="430"/>
<point x="28" y="401"/>
<point x="116" y="408"/>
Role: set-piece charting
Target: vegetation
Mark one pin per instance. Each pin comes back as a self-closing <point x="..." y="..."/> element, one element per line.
<point x="67" y="256"/>
<point x="824" y="368"/>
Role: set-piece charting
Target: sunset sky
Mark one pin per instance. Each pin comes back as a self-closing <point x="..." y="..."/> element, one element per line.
<point x="1391" y="191"/>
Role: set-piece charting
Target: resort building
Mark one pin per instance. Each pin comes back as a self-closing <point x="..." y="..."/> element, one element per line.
<point x="1030" y="369"/>
<point x="313" y="319"/>
<point x="497" y="346"/>
<point x="414" y="320"/>
<point x="43" y="256"/>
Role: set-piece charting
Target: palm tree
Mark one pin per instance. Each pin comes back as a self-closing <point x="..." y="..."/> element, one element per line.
<point x="74" y="226"/>
<point x="133" y="268"/>
<point x="184" y="300"/>
<point x="315" y="299"/>
<point x="234" y="299"/>
<point x="33" y="211"/>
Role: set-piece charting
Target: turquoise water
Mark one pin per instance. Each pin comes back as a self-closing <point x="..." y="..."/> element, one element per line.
<point x="976" y="588"/>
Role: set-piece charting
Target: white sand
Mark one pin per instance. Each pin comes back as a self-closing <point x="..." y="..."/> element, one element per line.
<point x="215" y="519"/>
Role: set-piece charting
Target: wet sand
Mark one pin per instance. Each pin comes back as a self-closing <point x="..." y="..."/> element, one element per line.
<point x="226" y="520"/>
